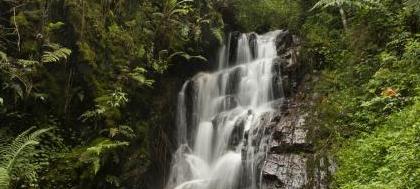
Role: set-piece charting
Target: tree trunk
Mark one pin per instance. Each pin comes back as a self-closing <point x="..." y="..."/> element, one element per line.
<point x="343" y="18"/>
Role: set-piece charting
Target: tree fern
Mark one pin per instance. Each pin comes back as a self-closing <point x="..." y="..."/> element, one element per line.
<point x="15" y="157"/>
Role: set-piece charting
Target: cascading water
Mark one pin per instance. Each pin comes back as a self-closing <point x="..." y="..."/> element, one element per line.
<point x="220" y="138"/>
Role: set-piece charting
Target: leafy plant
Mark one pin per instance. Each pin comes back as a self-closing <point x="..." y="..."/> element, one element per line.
<point x="58" y="53"/>
<point x="16" y="156"/>
<point x="340" y="4"/>
<point x="138" y="74"/>
<point x="267" y="15"/>
<point x="169" y="26"/>
<point x="94" y="153"/>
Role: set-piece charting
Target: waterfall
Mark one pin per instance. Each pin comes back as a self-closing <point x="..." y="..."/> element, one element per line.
<point x="222" y="140"/>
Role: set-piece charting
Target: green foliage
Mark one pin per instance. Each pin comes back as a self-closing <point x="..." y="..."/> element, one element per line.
<point x="339" y="3"/>
<point x="58" y="53"/>
<point x="3" y="57"/>
<point x="138" y="74"/>
<point x="369" y="87"/>
<point x="387" y="158"/>
<point x="16" y="157"/>
<point x="122" y="131"/>
<point x="107" y="106"/>
<point x="114" y="51"/>
<point x="93" y="154"/>
<point x="266" y="15"/>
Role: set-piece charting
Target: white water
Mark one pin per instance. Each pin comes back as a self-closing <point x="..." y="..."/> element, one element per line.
<point x="221" y="115"/>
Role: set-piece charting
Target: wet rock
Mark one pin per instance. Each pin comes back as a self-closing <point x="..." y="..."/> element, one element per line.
<point x="281" y="106"/>
<point x="291" y="63"/>
<point x="191" y="96"/>
<point x="253" y="45"/>
<point x="285" y="171"/>
<point x="237" y="133"/>
<point x="278" y="65"/>
<point x="234" y="77"/>
<point x="277" y="85"/>
<point x="286" y="67"/>
<point x="290" y="136"/>
<point x="233" y="46"/>
<point x="283" y="42"/>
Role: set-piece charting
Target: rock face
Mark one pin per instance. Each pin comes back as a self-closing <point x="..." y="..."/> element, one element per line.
<point x="285" y="171"/>
<point x="286" y="165"/>
<point x="291" y="162"/>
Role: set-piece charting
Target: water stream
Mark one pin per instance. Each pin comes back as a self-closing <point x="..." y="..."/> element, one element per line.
<point x="219" y="134"/>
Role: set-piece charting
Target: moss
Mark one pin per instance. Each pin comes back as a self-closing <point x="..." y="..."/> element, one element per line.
<point x="30" y="46"/>
<point x="87" y="55"/>
<point x="20" y="19"/>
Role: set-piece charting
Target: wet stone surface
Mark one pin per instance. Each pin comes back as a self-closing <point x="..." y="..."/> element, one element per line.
<point x="291" y="162"/>
<point x="285" y="171"/>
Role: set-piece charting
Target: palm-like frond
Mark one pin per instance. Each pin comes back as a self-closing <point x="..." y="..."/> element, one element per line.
<point x="56" y="55"/>
<point x="13" y="154"/>
<point x="338" y="3"/>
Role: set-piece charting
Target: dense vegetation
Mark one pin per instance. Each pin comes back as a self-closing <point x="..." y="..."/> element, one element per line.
<point x="94" y="77"/>
<point x="369" y="85"/>
<point x="86" y="69"/>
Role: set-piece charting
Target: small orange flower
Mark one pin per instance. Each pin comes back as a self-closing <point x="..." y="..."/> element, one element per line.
<point x="390" y="92"/>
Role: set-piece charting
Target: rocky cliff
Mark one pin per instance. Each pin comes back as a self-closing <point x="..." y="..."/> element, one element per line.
<point x="292" y="162"/>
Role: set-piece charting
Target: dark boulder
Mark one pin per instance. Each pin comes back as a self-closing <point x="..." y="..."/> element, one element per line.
<point x="253" y="45"/>
<point x="284" y="41"/>
<point x="237" y="133"/>
<point x="233" y="82"/>
<point x="233" y="46"/>
<point x="191" y="97"/>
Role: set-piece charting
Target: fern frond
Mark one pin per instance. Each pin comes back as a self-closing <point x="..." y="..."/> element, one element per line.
<point x="56" y="55"/>
<point x="12" y="160"/>
<point x="26" y="63"/>
<point x="21" y="143"/>
<point x="93" y="154"/>
<point x="4" y="178"/>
